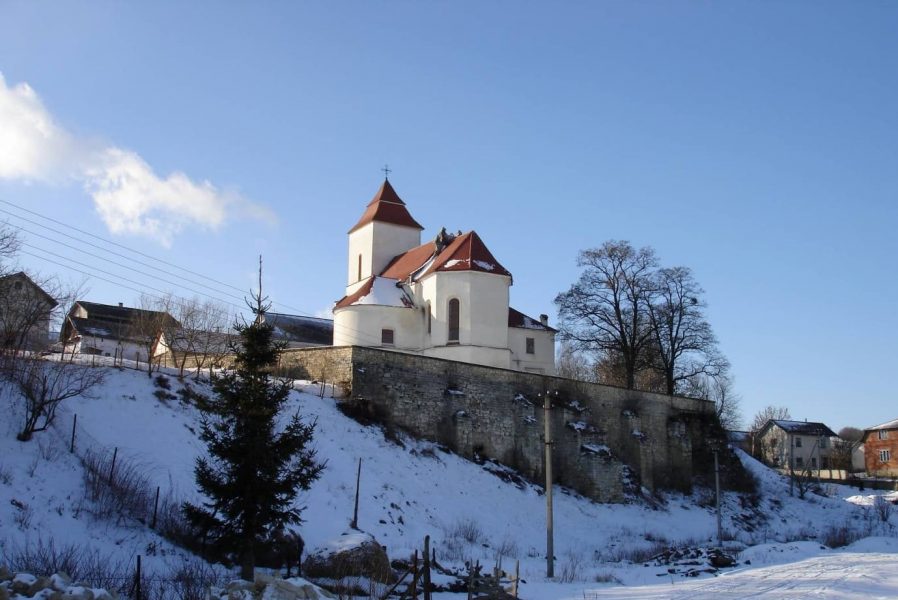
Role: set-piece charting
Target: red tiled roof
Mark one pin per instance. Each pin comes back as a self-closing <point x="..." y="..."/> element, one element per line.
<point x="467" y="252"/>
<point x="386" y="207"/>
<point x="407" y="263"/>
<point x="363" y="291"/>
<point x="518" y="319"/>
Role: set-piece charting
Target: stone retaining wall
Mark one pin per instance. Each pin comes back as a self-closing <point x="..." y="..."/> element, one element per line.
<point x="604" y="435"/>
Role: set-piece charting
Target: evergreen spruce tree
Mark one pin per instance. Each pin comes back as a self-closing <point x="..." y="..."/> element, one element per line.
<point x="254" y="469"/>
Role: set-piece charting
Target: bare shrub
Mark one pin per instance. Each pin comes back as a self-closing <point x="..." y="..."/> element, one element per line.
<point x="43" y="385"/>
<point x="81" y="563"/>
<point x="118" y="493"/>
<point x="5" y="475"/>
<point x="466" y="529"/>
<point x="606" y="577"/>
<point x="838" y="536"/>
<point x="23" y="515"/>
<point x="507" y="548"/>
<point x="49" y="450"/>
<point x="882" y="508"/>
<point x="571" y="567"/>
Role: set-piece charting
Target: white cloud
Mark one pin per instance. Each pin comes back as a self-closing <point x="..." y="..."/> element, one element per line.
<point x="128" y="195"/>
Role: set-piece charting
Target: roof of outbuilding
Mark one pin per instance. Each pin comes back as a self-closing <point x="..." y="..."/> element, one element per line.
<point x="301" y="329"/>
<point x="123" y="314"/>
<point x="518" y="319"/>
<point x="803" y="427"/>
<point x="386" y="207"/>
<point x="109" y="330"/>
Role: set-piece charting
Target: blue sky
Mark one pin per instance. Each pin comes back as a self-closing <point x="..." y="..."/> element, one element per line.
<point x="754" y="142"/>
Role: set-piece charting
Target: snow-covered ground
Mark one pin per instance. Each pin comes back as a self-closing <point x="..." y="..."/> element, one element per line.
<point x="412" y="489"/>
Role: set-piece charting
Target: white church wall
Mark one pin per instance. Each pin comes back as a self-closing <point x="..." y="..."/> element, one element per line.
<point x="543" y="358"/>
<point x="363" y="325"/>
<point x="483" y="316"/>
<point x="391" y="241"/>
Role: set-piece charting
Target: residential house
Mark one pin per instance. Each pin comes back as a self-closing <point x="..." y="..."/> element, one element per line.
<point x="797" y="445"/>
<point x="109" y="330"/>
<point x="881" y="449"/>
<point x="446" y="298"/>
<point x="25" y="313"/>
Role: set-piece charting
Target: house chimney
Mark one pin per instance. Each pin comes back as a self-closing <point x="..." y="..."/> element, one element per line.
<point x="120" y="305"/>
<point x="544" y="319"/>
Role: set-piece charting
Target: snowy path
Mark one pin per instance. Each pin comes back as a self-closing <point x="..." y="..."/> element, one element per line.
<point x="848" y="575"/>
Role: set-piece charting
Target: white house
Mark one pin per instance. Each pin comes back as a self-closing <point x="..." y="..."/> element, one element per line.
<point x="446" y="298"/>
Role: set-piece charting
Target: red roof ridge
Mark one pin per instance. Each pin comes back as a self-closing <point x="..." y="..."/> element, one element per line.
<point x="467" y="252"/>
<point x="387" y="207"/>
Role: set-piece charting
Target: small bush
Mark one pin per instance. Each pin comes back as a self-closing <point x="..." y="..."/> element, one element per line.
<point x="571" y="567"/>
<point x="838" y="536"/>
<point x="467" y="530"/>
<point x="5" y="475"/>
<point x="162" y="382"/>
<point x="606" y="577"/>
<point x="882" y="508"/>
<point x="119" y="493"/>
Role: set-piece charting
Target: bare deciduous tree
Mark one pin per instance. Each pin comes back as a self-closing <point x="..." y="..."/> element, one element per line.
<point x="150" y="324"/>
<point x="43" y="385"/>
<point x="777" y="413"/>
<point x="720" y="390"/>
<point x="685" y="345"/>
<point x="605" y="311"/>
<point x="574" y="364"/>
<point x="202" y="334"/>
<point x="844" y="447"/>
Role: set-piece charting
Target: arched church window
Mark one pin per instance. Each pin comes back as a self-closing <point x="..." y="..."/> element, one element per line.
<point x="360" y="268"/>
<point x="453" y="320"/>
<point x="429" y="319"/>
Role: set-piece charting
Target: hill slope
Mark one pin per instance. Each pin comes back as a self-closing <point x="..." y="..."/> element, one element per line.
<point x="409" y="489"/>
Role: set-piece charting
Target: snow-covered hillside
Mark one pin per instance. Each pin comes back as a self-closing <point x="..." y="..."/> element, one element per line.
<point x="409" y="489"/>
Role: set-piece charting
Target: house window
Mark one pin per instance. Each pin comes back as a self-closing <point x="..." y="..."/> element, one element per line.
<point x="359" y="278"/>
<point x="823" y="443"/>
<point x="885" y="455"/>
<point x="798" y="442"/>
<point x="531" y="346"/>
<point x="883" y="434"/>
<point x="453" y="321"/>
<point x="386" y="337"/>
<point x="813" y="462"/>
<point x="799" y="461"/>
<point x="17" y="285"/>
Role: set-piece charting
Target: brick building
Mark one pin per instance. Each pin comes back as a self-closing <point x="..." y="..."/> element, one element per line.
<point x="881" y="449"/>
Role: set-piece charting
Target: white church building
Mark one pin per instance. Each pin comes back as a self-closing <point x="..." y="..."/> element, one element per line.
<point x="446" y="298"/>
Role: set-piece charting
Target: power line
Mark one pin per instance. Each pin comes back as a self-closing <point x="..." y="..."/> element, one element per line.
<point x="159" y="260"/>
<point x="298" y="310"/>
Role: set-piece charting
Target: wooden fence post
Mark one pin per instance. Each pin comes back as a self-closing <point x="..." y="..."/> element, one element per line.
<point x="155" y="509"/>
<point x="72" y="445"/>
<point x="415" y="575"/>
<point x="112" y="468"/>
<point x="426" y="568"/>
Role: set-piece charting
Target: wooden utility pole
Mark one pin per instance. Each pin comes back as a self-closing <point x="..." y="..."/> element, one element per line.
<point x="355" y="512"/>
<point x="550" y="536"/>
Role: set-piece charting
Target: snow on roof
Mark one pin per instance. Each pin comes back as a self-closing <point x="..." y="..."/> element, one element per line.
<point x="518" y="319"/>
<point x="886" y="425"/>
<point x="301" y="329"/>
<point x="803" y="427"/>
<point x="380" y="291"/>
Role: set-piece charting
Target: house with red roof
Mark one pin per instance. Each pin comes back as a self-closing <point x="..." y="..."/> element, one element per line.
<point x="446" y="298"/>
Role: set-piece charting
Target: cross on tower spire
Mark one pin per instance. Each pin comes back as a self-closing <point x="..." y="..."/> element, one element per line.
<point x="387" y="170"/>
